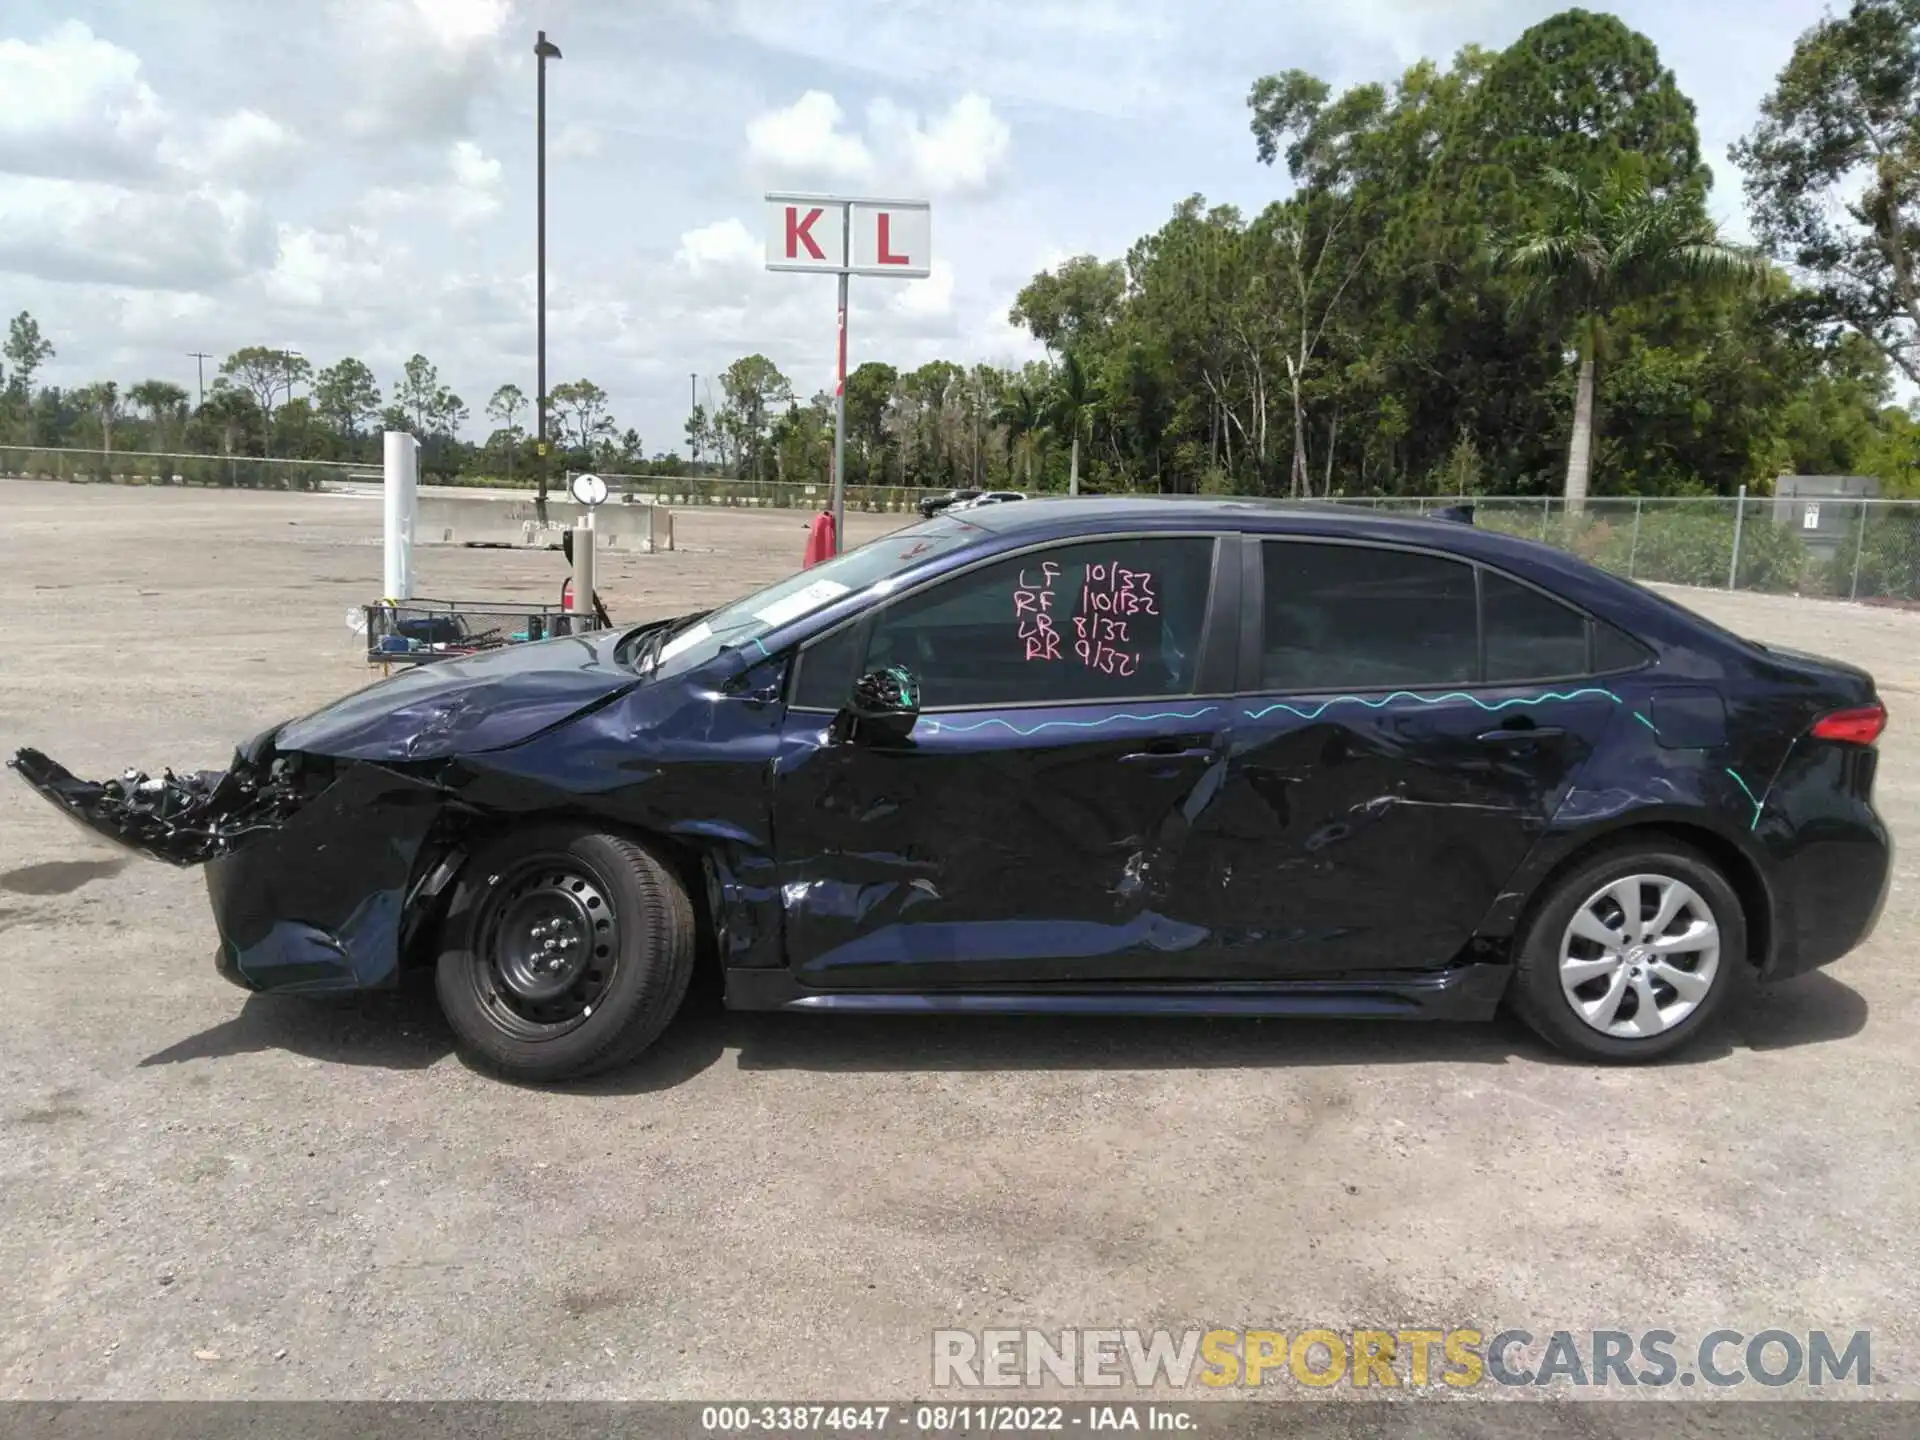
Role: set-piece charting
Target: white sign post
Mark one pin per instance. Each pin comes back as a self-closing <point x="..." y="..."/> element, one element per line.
<point x="846" y="235"/>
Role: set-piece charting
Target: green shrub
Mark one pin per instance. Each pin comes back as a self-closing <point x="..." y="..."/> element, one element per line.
<point x="1695" y="547"/>
<point x="1889" y="557"/>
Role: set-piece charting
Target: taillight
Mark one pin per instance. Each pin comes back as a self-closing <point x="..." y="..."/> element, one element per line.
<point x="1861" y="726"/>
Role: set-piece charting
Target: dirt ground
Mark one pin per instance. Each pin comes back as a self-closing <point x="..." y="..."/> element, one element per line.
<point x="206" y="1195"/>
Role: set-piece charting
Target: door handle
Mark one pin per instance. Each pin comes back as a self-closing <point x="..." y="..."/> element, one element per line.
<point x="1185" y="747"/>
<point x="1514" y="733"/>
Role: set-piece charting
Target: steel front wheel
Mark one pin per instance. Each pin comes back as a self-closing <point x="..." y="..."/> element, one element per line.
<point x="1632" y="954"/>
<point x="565" y="952"/>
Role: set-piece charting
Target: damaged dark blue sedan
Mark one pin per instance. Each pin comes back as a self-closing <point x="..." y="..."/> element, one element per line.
<point x="1167" y="756"/>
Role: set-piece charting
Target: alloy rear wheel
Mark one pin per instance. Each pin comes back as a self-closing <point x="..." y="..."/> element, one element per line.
<point x="1632" y="953"/>
<point x="1639" y="955"/>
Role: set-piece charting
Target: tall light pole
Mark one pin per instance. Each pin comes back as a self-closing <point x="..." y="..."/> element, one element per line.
<point x="200" y="357"/>
<point x="544" y="50"/>
<point x="693" y="405"/>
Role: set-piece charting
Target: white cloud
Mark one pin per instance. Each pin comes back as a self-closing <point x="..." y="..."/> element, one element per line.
<point x="75" y="106"/>
<point x="928" y="298"/>
<point x="458" y="26"/>
<point x="248" y="146"/>
<point x="575" y="142"/>
<point x="79" y="230"/>
<point x="805" y="140"/>
<point x="317" y="269"/>
<point x="419" y="66"/>
<point x="476" y="187"/>
<point x="960" y="151"/>
<point x="1104" y="57"/>
<point x="469" y="193"/>
<point x="723" y="245"/>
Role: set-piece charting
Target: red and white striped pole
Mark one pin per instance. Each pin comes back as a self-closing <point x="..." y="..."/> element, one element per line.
<point x="840" y="391"/>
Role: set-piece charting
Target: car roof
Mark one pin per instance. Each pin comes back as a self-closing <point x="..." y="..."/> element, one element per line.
<point x="1059" y="517"/>
<point x="1048" y="515"/>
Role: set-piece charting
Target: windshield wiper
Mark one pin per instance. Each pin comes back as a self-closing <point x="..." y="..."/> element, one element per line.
<point x="647" y="656"/>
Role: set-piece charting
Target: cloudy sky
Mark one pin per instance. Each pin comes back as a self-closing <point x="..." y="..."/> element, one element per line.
<point x="357" y="176"/>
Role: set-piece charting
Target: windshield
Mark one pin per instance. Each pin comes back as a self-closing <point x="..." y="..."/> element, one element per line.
<point x="746" y="620"/>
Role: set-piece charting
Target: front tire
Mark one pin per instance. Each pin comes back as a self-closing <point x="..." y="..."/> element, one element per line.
<point x="1631" y="954"/>
<point x="565" y="952"/>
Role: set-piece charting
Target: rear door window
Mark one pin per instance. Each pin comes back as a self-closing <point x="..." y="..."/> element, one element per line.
<point x="1358" y="617"/>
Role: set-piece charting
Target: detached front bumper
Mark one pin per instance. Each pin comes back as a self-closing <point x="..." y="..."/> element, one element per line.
<point x="181" y="819"/>
<point x="310" y="863"/>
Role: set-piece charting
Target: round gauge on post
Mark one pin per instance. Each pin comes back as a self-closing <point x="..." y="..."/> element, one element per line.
<point x="589" y="490"/>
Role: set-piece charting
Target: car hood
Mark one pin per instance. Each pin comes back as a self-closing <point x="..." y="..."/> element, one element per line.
<point x="476" y="703"/>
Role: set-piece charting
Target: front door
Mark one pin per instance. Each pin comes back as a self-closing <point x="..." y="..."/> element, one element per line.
<point x="1391" y="769"/>
<point x="1044" y="822"/>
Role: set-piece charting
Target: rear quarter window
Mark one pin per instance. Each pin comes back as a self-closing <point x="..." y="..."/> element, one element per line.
<point x="1615" y="650"/>
<point x="1529" y="634"/>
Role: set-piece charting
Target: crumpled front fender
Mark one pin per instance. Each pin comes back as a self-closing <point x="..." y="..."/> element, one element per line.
<point x="322" y="903"/>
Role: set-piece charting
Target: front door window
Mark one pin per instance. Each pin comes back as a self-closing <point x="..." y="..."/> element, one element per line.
<point x="1106" y="620"/>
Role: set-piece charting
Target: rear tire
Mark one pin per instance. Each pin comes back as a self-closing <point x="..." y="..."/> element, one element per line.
<point x="1632" y="954"/>
<point x="565" y="952"/>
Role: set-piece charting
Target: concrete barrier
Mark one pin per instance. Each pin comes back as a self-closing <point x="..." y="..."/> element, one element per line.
<point x="476" y="520"/>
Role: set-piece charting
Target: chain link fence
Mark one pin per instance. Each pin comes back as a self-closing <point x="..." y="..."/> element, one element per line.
<point x="1846" y="548"/>
<point x="688" y="490"/>
<point x="158" y="467"/>
<point x="1852" y="549"/>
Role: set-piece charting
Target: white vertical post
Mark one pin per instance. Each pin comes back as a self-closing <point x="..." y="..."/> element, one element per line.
<point x="1859" y="546"/>
<point x="1633" y="551"/>
<point x="401" y="467"/>
<point x="582" y="596"/>
<point x="1739" y="517"/>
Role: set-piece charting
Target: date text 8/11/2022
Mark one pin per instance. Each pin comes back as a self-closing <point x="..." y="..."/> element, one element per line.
<point x="949" y="1419"/>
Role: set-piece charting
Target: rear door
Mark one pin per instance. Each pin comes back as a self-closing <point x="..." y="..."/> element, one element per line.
<point x="1039" y="826"/>
<point x="1410" y="724"/>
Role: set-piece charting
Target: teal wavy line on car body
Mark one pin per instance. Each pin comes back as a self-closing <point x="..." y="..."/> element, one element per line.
<point x="1317" y="711"/>
<point x="942" y="727"/>
<point x="1751" y="796"/>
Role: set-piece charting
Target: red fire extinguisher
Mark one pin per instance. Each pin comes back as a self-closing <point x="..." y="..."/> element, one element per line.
<point x="821" y="541"/>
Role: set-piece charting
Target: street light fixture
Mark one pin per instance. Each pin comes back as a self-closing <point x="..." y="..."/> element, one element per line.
<point x="544" y="50"/>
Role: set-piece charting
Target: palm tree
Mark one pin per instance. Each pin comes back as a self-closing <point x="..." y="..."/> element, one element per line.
<point x="1071" y="407"/>
<point x="104" y="400"/>
<point x="163" y="401"/>
<point x="1606" y="246"/>
<point x="1023" y="415"/>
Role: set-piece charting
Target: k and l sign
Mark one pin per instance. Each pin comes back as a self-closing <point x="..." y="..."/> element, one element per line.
<point x="845" y="234"/>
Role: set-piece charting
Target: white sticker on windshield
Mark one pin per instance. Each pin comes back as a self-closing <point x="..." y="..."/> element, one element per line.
<point x="792" y="607"/>
<point x="685" y="640"/>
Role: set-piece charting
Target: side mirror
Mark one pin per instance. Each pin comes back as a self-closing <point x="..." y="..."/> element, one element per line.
<point x="884" y="709"/>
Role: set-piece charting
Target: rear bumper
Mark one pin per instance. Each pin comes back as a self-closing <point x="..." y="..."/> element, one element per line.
<point x="1831" y="854"/>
